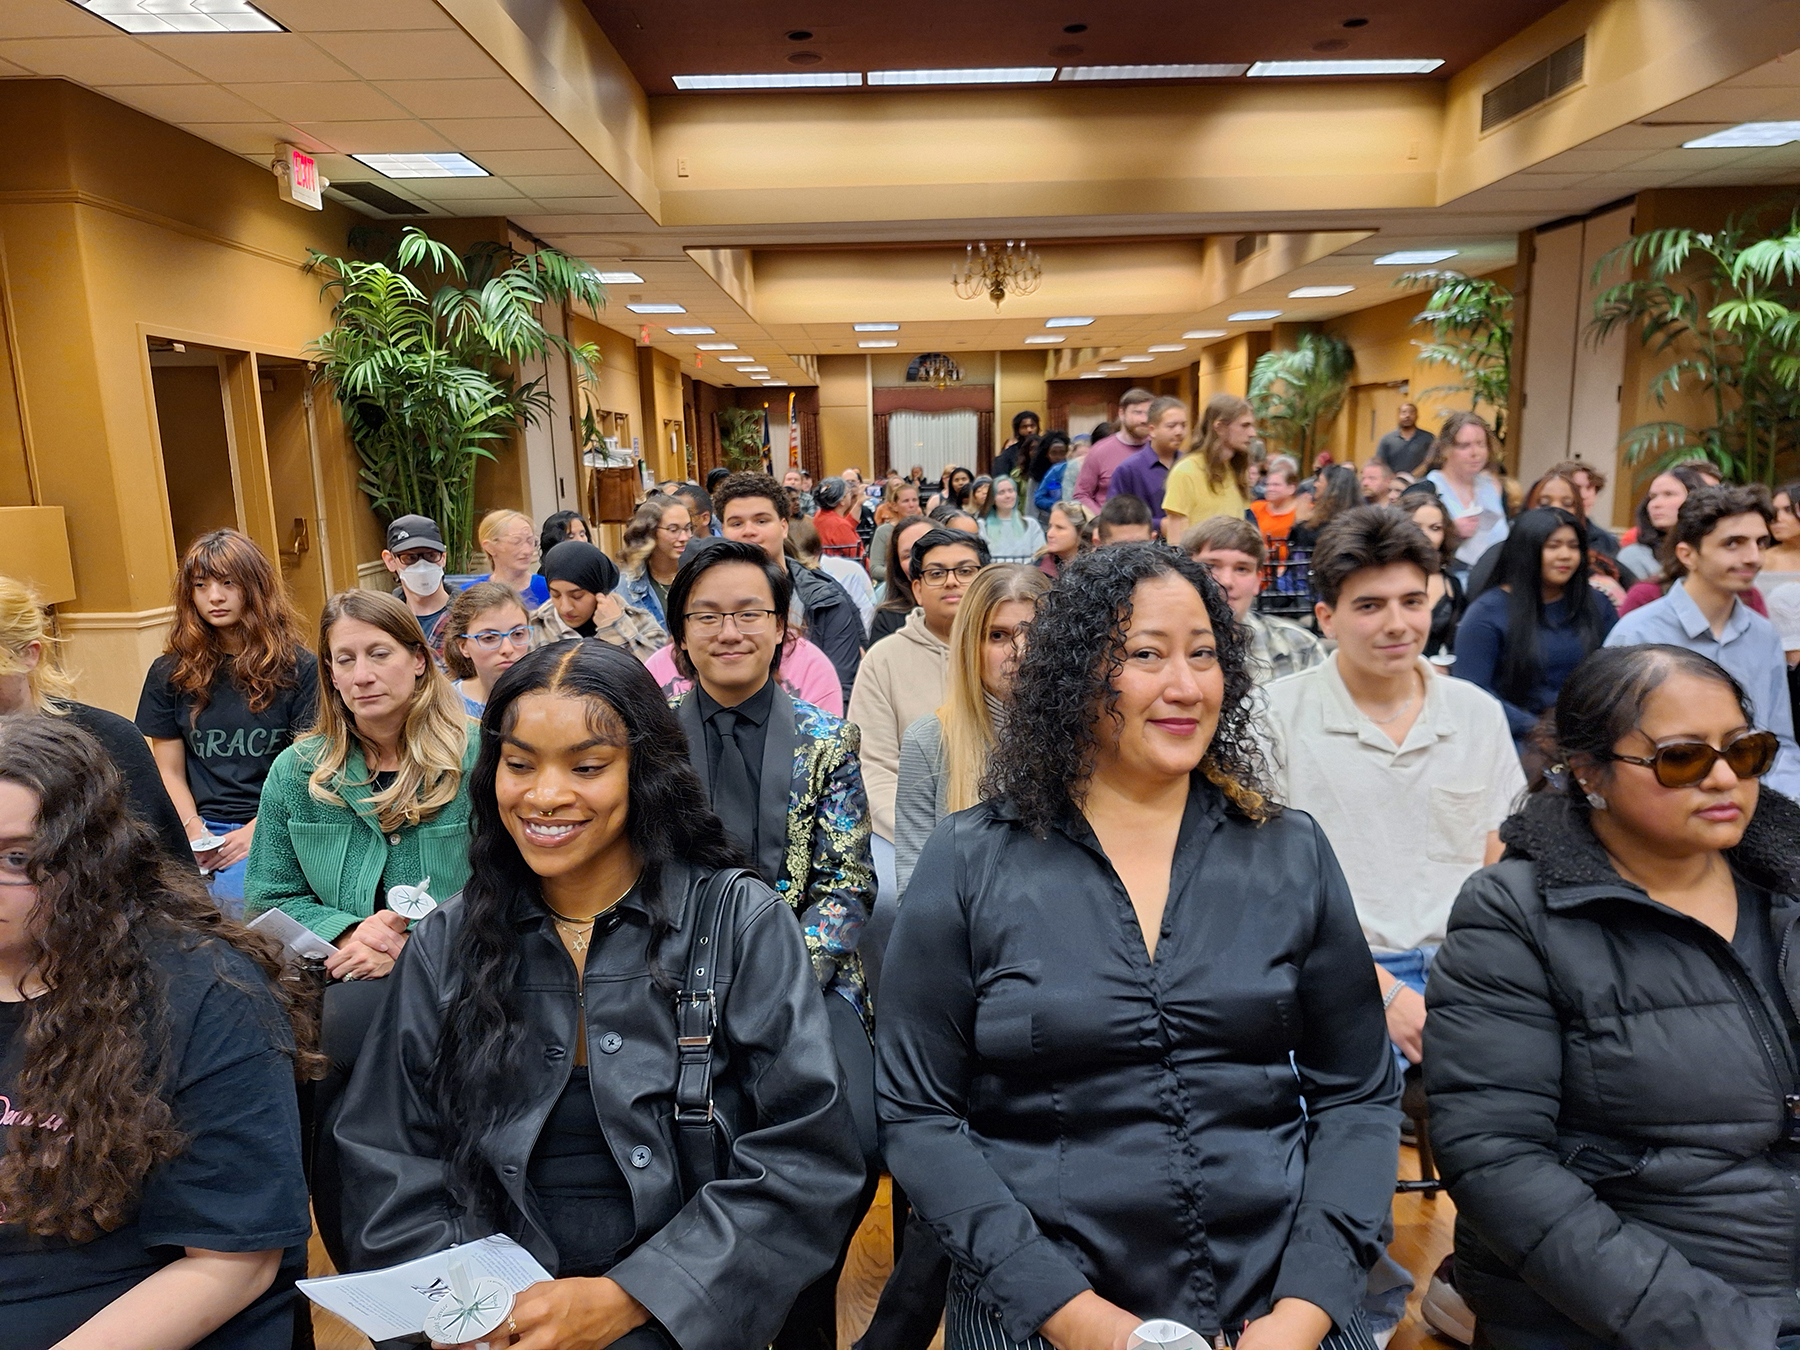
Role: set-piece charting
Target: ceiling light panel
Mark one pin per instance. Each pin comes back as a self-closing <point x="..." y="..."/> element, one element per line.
<point x="661" y="309"/>
<point x="450" y="165"/>
<point x="736" y="360"/>
<point x="878" y="343"/>
<point x="1349" y="66"/>
<point x="1090" y="375"/>
<point x="1212" y="72"/>
<point x="621" y="279"/>
<point x="818" y="79"/>
<point x="1252" y="315"/>
<point x="771" y="384"/>
<point x="752" y="370"/>
<point x="161" y="17"/>
<point x="1067" y="323"/>
<point x="1747" y="135"/>
<point x="696" y="330"/>
<point x="1319" y="292"/>
<point x="1136" y="360"/>
<point x="1196" y="334"/>
<point x="1166" y="347"/>
<point x="974" y="75"/>
<point x="876" y="327"/>
<point x="1113" y="370"/>
<point x="1415" y="257"/>
<point x="1046" y="337"/>
<point x="715" y="346"/>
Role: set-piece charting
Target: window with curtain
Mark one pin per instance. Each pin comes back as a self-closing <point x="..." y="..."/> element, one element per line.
<point x="934" y="439"/>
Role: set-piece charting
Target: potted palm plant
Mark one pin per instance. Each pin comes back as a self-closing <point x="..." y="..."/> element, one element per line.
<point x="1471" y="322"/>
<point x="1298" y="393"/>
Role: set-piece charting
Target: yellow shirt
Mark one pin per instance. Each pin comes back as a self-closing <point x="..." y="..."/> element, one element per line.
<point x="1190" y="494"/>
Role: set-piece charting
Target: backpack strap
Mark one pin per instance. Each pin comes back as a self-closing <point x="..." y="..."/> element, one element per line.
<point x="696" y="1023"/>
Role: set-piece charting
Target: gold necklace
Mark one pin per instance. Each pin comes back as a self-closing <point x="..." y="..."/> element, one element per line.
<point x="581" y="930"/>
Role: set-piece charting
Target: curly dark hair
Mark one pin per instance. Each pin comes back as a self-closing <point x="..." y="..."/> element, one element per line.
<point x="96" y="1042"/>
<point x="473" y="1081"/>
<point x="751" y="485"/>
<point x="1074" y="651"/>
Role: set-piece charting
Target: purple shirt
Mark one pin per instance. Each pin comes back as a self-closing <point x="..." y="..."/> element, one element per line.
<point x="1103" y="458"/>
<point x="1144" y="476"/>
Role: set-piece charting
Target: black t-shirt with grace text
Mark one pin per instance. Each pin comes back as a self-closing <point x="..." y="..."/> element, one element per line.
<point x="229" y="748"/>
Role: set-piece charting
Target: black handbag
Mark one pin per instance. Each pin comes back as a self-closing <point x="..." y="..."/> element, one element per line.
<point x="697" y="1136"/>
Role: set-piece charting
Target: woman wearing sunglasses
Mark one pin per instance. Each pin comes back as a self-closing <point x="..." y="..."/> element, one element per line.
<point x="1610" y="1050"/>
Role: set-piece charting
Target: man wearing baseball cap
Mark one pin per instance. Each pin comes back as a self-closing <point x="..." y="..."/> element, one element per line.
<point x="415" y="555"/>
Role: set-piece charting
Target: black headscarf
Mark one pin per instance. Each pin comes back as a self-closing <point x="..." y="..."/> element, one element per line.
<point x="581" y="564"/>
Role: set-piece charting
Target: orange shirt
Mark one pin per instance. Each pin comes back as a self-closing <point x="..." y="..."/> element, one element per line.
<point x="1273" y="525"/>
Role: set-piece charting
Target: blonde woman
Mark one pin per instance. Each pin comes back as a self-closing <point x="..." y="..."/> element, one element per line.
<point x="654" y="540"/>
<point x="1210" y="480"/>
<point x="33" y="683"/>
<point x="944" y="754"/>
<point x="510" y="542"/>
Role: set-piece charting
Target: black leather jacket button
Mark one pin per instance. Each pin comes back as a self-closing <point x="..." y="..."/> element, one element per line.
<point x="610" y="1043"/>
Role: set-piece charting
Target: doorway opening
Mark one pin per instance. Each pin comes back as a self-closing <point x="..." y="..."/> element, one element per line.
<point x="191" y="421"/>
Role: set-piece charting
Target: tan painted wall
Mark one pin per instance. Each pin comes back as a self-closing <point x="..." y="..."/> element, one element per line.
<point x="844" y="424"/>
<point x="1021" y="382"/>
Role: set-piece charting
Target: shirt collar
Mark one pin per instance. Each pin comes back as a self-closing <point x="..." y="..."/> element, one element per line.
<point x="1340" y="713"/>
<point x="754" y="710"/>
<point x="1695" y="624"/>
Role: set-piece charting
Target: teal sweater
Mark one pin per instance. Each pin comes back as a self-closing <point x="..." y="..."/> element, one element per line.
<point x="322" y="864"/>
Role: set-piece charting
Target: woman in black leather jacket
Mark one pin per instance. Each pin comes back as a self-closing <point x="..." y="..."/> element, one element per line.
<point x="1109" y="990"/>
<point x="473" y="1109"/>
<point x="1610" y="1045"/>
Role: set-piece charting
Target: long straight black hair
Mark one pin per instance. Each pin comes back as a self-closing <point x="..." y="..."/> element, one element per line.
<point x="1521" y="571"/>
<point x="472" y="1082"/>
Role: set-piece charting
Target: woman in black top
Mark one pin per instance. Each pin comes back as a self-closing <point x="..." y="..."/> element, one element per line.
<point x="151" y="1193"/>
<point x="1336" y="489"/>
<point x="1610" y="1053"/>
<point x="1131" y="1057"/>
<point x="521" y="1076"/>
<point x="897" y="600"/>
<point x="1445" y="589"/>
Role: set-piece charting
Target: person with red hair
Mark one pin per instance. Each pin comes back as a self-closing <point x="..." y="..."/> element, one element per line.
<point x="231" y="690"/>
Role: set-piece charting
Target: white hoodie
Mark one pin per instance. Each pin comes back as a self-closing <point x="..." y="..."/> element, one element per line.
<point x="902" y="679"/>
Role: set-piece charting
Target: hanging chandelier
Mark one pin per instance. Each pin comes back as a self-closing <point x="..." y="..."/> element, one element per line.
<point x="997" y="272"/>
<point x="936" y="370"/>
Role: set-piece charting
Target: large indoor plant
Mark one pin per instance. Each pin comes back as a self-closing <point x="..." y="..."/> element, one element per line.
<point x="1471" y="322"/>
<point x="741" y="438"/>
<point x="427" y="383"/>
<point x="1298" y="393"/>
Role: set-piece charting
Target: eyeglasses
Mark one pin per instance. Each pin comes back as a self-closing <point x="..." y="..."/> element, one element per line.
<point x="1684" y="763"/>
<point x="490" y="639"/>
<point x="936" y="577"/>
<point x="14" y="868"/>
<point x="675" y="530"/>
<point x="749" y="622"/>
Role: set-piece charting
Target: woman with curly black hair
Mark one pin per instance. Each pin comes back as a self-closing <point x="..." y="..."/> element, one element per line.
<point x="474" y="1109"/>
<point x="1132" y="1061"/>
<point x="151" y="1193"/>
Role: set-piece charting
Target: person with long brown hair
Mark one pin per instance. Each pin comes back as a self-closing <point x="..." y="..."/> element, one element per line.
<point x="1210" y="479"/>
<point x="654" y="540"/>
<point x="233" y="688"/>
<point x="150" y="1175"/>
<point x="897" y="601"/>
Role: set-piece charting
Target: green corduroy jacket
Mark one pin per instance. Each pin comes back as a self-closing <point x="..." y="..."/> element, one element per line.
<point x="323" y="864"/>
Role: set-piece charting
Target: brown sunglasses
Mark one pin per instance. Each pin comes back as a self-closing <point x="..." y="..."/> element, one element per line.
<point x="1684" y="763"/>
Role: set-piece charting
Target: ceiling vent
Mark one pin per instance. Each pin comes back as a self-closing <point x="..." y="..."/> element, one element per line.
<point x="373" y="194"/>
<point x="1533" y="85"/>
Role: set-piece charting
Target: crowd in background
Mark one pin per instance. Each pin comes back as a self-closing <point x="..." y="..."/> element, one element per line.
<point x="1084" y="842"/>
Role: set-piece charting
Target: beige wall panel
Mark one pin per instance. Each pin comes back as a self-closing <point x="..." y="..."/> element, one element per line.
<point x="844" y="423"/>
<point x="1021" y="387"/>
<point x="1554" y="318"/>
<point x="107" y="653"/>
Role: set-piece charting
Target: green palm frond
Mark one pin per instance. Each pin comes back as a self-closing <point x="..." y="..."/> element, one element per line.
<point x="1297" y="394"/>
<point x="1470" y="319"/>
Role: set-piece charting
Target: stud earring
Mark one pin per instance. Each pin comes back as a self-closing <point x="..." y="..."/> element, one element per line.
<point x="1594" y="799"/>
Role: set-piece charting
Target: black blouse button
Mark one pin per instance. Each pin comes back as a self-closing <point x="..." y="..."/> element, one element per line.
<point x="640" y="1156"/>
<point x="610" y="1043"/>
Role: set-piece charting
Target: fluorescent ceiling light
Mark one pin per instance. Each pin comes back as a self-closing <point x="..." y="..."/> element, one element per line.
<point x="770" y="384"/>
<point x="1067" y="323"/>
<point x="1136" y="360"/>
<point x="1319" y="292"/>
<point x="658" y="309"/>
<point x="715" y="346"/>
<point x="1046" y="337"/>
<point x="1347" y="66"/>
<point x="1747" y="134"/>
<point x="161" y="17"/>
<point x="878" y="344"/>
<point x="1166" y="347"/>
<point x="699" y="330"/>
<point x="1414" y="257"/>
<point x="736" y="360"/>
<point x="450" y="165"/>
<point x="1252" y="315"/>
<point x="876" y="327"/>
<point x="1212" y="72"/>
<point x="818" y="79"/>
<point x="752" y="370"/>
<point x="1112" y="370"/>
<point x="621" y="279"/>
<point x="1196" y="334"/>
<point x="972" y="75"/>
<point x="1090" y="375"/>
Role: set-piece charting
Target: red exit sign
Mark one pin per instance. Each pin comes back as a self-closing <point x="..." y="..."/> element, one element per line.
<point x="297" y="174"/>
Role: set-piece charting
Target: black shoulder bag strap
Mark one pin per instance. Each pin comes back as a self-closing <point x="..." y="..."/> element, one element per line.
<point x="696" y="1023"/>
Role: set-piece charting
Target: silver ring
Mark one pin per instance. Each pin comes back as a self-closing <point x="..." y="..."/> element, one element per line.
<point x="347" y="977"/>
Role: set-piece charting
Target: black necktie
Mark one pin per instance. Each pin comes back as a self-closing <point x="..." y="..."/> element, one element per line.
<point x="733" y="799"/>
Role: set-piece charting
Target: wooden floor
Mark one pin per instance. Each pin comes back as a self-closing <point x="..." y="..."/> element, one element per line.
<point x="1422" y="1238"/>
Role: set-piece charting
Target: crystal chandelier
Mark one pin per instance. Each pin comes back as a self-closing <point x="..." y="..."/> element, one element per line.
<point x="936" y="370"/>
<point x="998" y="272"/>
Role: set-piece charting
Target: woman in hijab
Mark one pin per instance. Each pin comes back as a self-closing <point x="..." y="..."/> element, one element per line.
<point x="582" y="603"/>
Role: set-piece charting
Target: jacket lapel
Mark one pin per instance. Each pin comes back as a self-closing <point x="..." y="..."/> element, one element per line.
<point x="687" y="712"/>
<point x="779" y="739"/>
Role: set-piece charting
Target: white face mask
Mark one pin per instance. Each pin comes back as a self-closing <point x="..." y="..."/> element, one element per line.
<point x="422" y="578"/>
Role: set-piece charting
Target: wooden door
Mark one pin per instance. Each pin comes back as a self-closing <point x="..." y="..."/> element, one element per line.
<point x="294" y="483"/>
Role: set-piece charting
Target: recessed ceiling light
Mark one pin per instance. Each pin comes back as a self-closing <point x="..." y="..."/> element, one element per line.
<point x="1747" y="134"/>
<point x="621" y="279"/>
<point x="1346" y="66"/>
<point x="770" y="384"/>
<point x="658" y="309"/>
<point x="1212" y="72"/>
<point x="1414" y="257"/>
<point x="450" y="165"/>
<point x="876" y="327"/>
<point x="1046" y="337"/>
<point x="736" y="360"/>
<point x="1136" y="360"/>
<point x="878" y="344"/>
<point x="751" y="370"/>
<point x="715" y="346"/>
<point x="1090" y="375"/>
<point x="1252" y="315"/>
<point x="160" y="17"/>
<point x="1166" y="347"/>
<point x="1112" y="370"/>
<point x="1196" y="334"/>
<point x="816" y="79"/>
<point x="1319" y="292"/>
<point x="698" y="330"/>
<point x="972" y="75"/>
<point x="1067" y="323"/>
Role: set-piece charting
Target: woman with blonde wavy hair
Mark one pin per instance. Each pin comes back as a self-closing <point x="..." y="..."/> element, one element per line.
<point x="510" y="541"/>
<point x="33" y="682"/>
<point x="943" y="755"/>
<point x="654" y="540"/>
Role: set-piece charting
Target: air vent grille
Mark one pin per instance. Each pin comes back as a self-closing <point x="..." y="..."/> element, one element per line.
<point x="373" y="194"/>
<point x="1531" y="86"/>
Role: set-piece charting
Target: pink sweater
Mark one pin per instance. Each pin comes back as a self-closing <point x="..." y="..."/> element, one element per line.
<point x="806" y="673"/>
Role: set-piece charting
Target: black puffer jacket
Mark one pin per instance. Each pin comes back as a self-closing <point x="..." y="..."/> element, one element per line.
<point x="1607" y="1085"/>
<point x="719" y="1271"/>
<point x="832" y="622"/>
